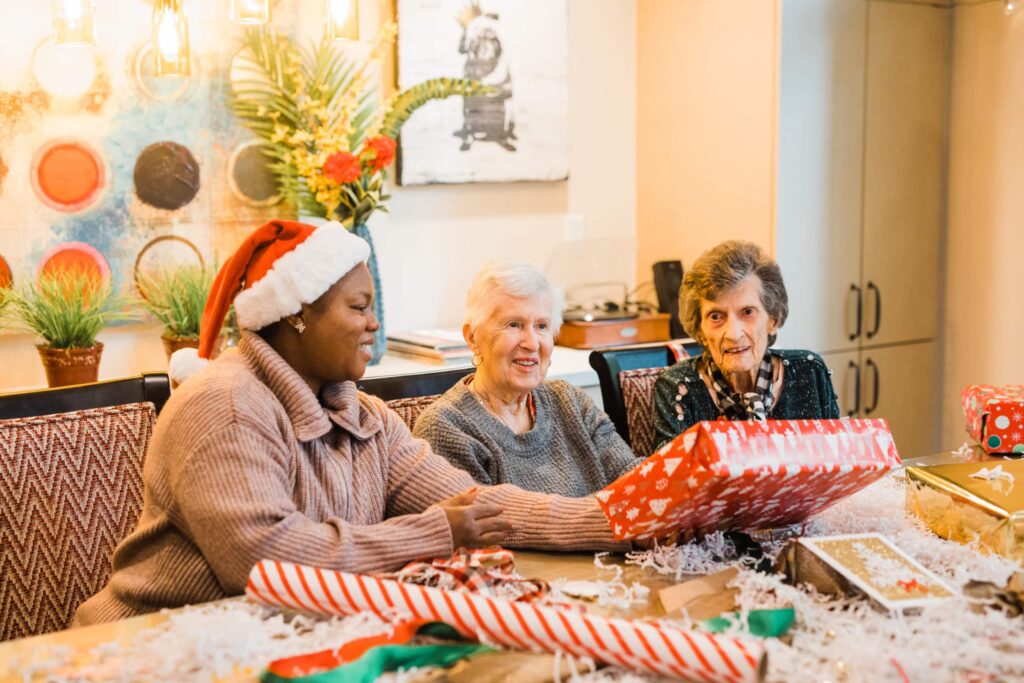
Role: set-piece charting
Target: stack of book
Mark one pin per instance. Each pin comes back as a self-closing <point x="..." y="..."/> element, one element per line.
<point x="444" y="346"/>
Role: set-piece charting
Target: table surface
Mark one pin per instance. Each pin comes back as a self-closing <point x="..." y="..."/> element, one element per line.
<point x="547" y="566"/>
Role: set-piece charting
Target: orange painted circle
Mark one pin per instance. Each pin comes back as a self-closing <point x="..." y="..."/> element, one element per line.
<point x="6" y="279"/>
<point x="74" y="256"/>
<point x="68" y="175"/>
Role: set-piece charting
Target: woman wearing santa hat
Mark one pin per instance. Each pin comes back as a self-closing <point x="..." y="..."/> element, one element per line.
<point x="271" y="452"/>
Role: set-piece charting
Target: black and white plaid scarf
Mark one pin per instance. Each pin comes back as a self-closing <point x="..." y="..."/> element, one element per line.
<point x="753" y="405"/>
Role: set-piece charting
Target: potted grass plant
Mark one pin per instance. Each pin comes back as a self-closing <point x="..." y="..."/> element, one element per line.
<point x="176" y="297"/>
<point x="68" y="308"/>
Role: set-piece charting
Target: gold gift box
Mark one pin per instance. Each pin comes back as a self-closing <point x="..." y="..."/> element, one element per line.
<point x="963" y="508"/>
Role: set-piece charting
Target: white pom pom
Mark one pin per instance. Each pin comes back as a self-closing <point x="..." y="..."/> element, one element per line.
<point x="185" y="363"/>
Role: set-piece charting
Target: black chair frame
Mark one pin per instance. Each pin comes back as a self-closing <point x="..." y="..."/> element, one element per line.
<point x="391" y="387"/>
<point x="608" y="362"/>
<point x="152" y="387"/>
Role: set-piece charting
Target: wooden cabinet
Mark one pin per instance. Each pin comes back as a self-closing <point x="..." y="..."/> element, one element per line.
<point x="820" y="168"/>
<point x="859" y="226"/>
<point x="846" y="379"/>
<point x="899" y="383"/>
<point x="904" y="149"/>
<point x="895" y="382"/>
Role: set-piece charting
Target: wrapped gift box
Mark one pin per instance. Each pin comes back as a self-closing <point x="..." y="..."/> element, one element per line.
<point x="961" y="507"/>
<point x="995" y="416"/>
<point x="867" y="564"/>
<point x="747" y="475"/>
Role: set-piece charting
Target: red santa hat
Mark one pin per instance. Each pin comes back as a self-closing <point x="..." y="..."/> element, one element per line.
<point x="279" y="267"/>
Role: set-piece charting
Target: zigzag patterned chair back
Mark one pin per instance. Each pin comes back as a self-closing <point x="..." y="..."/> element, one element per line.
<point x="70" y="490"/>
<point x="638" y="396"/>
<point x="409" y="409"/>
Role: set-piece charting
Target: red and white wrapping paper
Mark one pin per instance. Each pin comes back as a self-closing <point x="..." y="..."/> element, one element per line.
<point x="995" y="416"/>
<point x="747" y="475"/>
<point x="666" y="651"/>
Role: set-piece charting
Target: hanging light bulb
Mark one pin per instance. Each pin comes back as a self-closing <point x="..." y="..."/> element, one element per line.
<point x="74" y="22"/>
<point x="1011" y="6"/>
<point x="341" y="19"/>
<point x="250" y="12"/>
<point x="170" y="39"/>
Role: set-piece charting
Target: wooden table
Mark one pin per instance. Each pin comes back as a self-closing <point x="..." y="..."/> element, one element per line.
<point x="547" y="566"/>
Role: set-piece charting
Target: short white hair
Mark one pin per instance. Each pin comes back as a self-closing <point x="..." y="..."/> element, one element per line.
<point x="517" y="279"/>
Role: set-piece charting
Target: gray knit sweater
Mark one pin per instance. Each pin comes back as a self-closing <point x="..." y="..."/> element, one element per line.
<point x="572" y="450"/>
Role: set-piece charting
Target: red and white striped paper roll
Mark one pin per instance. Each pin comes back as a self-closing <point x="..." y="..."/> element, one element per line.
<point x="691" y="655"/>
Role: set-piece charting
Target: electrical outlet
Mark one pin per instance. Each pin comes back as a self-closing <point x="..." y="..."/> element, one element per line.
<point x="574" y="228"/>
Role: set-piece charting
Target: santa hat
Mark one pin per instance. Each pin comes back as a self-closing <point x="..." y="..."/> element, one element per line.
<point x="279" y="267"/>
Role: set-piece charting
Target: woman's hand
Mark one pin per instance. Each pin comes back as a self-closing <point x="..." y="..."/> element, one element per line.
<point x="474" y="525"/>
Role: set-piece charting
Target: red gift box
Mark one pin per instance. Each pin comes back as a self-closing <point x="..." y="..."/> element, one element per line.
<point x="995" y="416"/>
<point x="747" y="475"/>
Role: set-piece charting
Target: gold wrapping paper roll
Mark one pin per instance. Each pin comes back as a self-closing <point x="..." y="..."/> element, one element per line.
<point x="962" y="508"/>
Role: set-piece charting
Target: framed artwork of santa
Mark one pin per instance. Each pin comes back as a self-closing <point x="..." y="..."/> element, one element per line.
<point x="517" y="131"/>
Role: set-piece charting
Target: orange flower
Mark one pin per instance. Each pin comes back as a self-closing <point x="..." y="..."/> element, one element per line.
<point x="383" y="148"/>
<point x="342" y="167"/>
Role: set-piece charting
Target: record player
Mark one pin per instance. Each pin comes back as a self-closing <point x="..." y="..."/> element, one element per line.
<point x="593" y="322"/>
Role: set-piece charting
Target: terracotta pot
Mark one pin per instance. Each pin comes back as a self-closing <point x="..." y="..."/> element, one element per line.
<point x="172" y="344"/>
<point x="65" y="367"/>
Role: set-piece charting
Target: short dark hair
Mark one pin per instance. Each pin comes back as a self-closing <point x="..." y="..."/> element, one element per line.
<point x="724" y="267"/>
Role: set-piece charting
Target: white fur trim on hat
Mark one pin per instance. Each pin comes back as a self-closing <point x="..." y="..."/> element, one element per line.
<point x="185" y="363"/>
<point x="301" y="276"/>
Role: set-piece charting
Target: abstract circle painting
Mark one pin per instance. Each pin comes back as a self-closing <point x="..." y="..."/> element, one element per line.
<point x="68" y="175"/>
<point x="151" y="85"/>
<point x="6" y="278"/>
<point x="63" y="71"/>
<point x="250" y="177"/>
<point x="163" y="251"/>
<point x="166" y="175"/>
<point x="71" y="256"/>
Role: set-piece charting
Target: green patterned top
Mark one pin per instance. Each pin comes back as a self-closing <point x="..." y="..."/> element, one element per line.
<point x="681" y="399"/>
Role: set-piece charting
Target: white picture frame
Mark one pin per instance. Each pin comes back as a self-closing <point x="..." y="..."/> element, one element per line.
<point x="517" y="133"/>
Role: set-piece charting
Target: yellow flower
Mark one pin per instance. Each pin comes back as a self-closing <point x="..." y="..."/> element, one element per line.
<point x="385" y="37"/>
<point x="280" y="133"/>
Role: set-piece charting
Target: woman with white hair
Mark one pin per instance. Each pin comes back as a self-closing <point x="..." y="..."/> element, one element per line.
<point x="505" y="424"/>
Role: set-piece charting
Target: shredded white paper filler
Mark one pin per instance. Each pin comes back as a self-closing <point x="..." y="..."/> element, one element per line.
<point x="996" y="473"/>
<point x="613" y="593"/>
<point x="964" y="452"/>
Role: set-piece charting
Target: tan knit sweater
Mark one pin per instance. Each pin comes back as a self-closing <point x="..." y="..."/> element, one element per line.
<point x="245" y="463"/>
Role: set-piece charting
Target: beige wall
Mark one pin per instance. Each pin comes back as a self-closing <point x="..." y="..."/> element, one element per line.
<point x="437" y="237"/>
<point x="984" y="315"/>
<point x="706" y="110"/>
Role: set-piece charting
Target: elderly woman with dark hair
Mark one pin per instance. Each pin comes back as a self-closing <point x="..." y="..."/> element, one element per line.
<point x="506" y="424"/>
<point x="733" y="302"/>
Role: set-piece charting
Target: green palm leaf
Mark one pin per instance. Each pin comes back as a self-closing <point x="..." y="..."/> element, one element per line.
<point x="435" y="89"/>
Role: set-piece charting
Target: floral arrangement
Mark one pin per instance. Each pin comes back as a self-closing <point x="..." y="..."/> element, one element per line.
<point x="328" y="138"/>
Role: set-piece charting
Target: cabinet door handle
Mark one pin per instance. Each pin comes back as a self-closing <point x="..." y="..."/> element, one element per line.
<point x="874" y="390"/>
<point x="878" y="309"/>
<point x="854" y="288"/>
<point x="856" y="388"/>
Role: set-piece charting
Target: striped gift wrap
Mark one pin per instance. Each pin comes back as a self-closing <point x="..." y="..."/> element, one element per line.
<point x="636" y="645"/>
